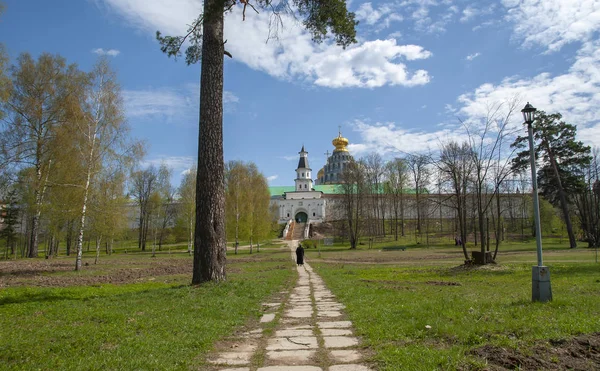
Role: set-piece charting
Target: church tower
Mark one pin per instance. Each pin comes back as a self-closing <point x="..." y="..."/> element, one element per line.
<point x="303" y="179"/>
<point x="331" y="173"/>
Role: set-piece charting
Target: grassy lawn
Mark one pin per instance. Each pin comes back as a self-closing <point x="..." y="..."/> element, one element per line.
<point x="155" y="320"/>
<point x="391" y="296"/>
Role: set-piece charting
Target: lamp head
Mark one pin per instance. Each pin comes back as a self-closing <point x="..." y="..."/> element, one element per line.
<point x="528" y="112"/>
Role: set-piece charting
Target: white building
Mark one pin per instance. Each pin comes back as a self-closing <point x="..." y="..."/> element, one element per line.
<point x="304" y="203"/>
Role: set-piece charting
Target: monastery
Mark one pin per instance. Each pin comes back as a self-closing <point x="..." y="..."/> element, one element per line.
<point x="308" y="202"/>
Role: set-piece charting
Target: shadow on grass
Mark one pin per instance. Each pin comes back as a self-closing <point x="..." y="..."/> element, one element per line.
<point x="45" y="295"/>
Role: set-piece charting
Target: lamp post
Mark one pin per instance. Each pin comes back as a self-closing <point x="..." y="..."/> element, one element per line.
<point x="541" y="289"/>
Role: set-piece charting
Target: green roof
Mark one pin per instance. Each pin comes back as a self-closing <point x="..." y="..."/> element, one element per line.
<point x="280" y="190"/>
<point x="328" y="189"/>
<point x="325" y="188"/>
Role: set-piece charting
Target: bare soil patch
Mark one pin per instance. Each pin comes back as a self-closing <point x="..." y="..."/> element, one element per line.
<point x="579" y="353"/>
<point x="60" y="272"/>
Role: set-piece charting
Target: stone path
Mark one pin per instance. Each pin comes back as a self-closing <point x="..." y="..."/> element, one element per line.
<point x="307" y="333"/>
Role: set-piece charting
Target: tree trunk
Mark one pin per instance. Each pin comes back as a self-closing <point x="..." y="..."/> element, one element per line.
<point x="563" y="200"/>
<point x="190" y="241"/>
<point x="79" y="246"/>
<point x="209" y="241"/>
<point x="97" y="249"/>
<point x="69" y="236"/>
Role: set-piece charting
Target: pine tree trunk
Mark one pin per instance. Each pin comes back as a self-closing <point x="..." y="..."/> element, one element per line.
<point x="209" y="240"/>
<point x="563" y="200"/>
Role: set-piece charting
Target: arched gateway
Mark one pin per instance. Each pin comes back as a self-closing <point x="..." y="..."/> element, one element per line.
<point x="301" y="217"/>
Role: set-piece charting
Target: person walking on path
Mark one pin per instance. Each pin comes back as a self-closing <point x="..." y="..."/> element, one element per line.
<point x="300" y="255"/>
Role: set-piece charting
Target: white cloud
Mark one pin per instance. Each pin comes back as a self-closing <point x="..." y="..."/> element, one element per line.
<point x="293" y="55"/>
<point x="575" y="94"/>
<point x="470" y="57"/>
<point x="553" y="23"/>
<point x="395" y="35"/>
<point x="272" y="178"/>
<point x="229" y="97"/>
<point x="391" y="139"/>
<point x="468" y="13"/>
<point x="289" y="158"/>
<point x="169" y="102"/>
<point x="371" y="65"/>
<point x="180" y="164"/>
<point x="382" y="17"/>
<point x="110" y="52"/>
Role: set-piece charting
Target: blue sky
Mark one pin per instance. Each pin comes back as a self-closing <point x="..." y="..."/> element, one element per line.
<point x="419" y="67"/>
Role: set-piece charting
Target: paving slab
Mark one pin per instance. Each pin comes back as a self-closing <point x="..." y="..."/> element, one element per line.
<point x="344" y="356"/>
<point x="339" y="341"/>
<point x="336" y="332"/>
<point x="295" y="332"/>
<point x="335" y="324"/>
<point x="329" y="313"/>
<point x="291" y="343"/>
<point x="349" y="368"/>
<point x="267" y="317"/>
<point x="290" y="368"/>
<point x="292" y="357"/>
<point x="236" y="369"/>
<point x="301" y="308"/>
<point x="232" y="358"/>
<point x="299" y="313"/>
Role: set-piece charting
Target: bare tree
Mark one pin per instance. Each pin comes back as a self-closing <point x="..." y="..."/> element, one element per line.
<point x="418" y="166"/>
<point x="397" y="181"/>
<point x="352" y="203"/>
<point x="491" y="165"/>
<point x="455" y="163"/>
<point x="143" y="185"/>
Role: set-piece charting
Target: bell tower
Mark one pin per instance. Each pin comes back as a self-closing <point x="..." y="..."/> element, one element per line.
<point x="303" y="173"/>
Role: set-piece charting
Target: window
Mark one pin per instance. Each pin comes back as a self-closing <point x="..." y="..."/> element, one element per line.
<point x="302" y="174"/>
<point x="313" y="214"/>
<point x="288" y="215"/>
<point x="305" y="186"/>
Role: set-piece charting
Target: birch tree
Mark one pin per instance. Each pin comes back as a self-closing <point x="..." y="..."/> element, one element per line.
<point x="100" y="125"/>
<point x="39" y="101"/>
<point x="237" y="183"/>
<point x="187" y="194"/>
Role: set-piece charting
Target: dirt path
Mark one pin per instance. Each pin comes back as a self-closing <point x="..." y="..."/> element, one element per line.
<point x="308" y="332"/>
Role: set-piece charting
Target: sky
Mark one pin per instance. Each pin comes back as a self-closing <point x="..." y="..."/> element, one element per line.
<point x="419" y="70"/>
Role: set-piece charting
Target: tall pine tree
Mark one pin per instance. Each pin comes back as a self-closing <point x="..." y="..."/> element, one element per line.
<point x="561" y="157"/>
<point x="320" y="17"/>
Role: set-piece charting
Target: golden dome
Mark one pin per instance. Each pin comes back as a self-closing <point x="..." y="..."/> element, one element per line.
<point x="340" y="143"/>
<point x="320" y="173"/>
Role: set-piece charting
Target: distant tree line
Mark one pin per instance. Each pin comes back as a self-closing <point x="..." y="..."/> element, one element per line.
<point x="71" y="174"/>
<point x="476" y="188"/>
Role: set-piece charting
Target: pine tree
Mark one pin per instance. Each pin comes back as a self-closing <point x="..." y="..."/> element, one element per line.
<point x="561" y="157"/>
<point x="205" y="34"/>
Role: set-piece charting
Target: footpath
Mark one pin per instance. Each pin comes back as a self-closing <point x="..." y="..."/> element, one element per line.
<point x="307" y="333"/>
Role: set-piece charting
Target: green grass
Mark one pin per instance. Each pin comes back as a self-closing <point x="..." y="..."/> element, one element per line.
<point x="392" y="305"/>
<point x="160" y="323"/>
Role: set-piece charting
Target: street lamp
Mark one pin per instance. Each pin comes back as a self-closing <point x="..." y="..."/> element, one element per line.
<point x="540" y="283"/>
